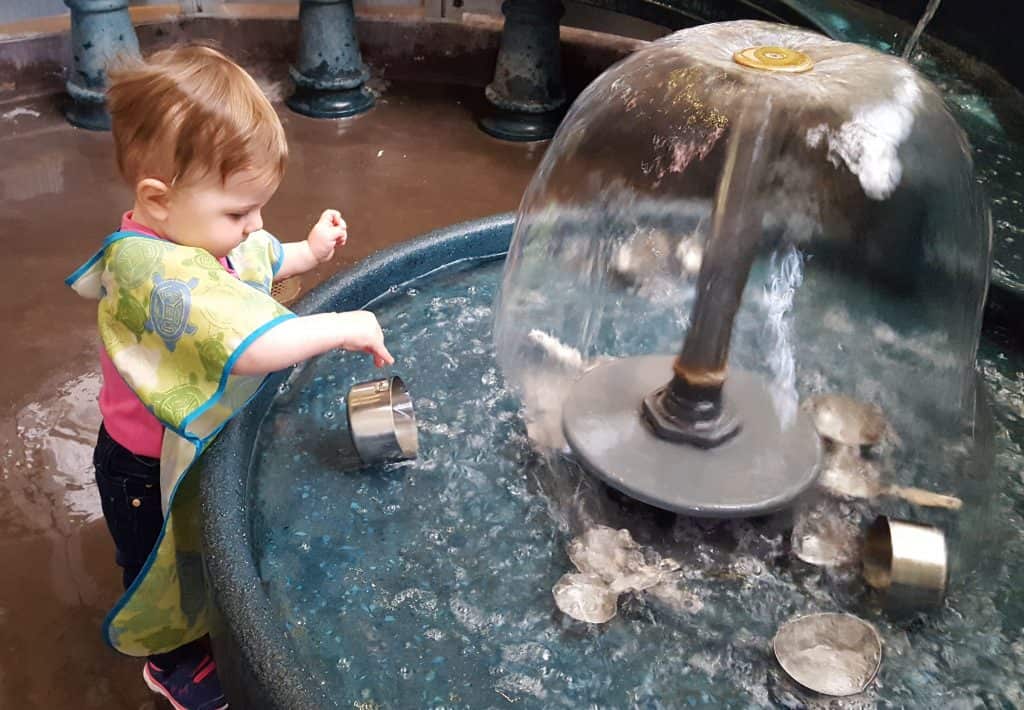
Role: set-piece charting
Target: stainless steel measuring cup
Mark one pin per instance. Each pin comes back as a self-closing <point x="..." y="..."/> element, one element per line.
<point x="381" y="421"/>
<point x="907" y="562"/>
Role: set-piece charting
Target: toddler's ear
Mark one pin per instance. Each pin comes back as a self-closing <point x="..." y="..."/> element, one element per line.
<point x="153" y="196"/>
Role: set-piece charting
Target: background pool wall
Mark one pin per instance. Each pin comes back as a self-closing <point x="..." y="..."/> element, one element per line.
<point x="258" y="667"/>
<point x="462" y="47"/>
<point x="393" y="47"/>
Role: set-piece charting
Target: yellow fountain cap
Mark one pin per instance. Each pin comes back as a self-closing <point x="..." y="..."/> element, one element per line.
<point x="774" y="59"/>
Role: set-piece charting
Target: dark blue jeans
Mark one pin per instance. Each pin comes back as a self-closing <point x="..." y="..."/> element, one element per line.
<point x="129" y="488"/>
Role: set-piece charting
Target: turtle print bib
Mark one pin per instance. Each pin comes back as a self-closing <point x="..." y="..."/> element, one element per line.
<point x="174" y="323"/>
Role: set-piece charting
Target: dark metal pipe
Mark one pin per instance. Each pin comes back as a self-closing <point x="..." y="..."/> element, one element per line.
<point x="690" y="407"/>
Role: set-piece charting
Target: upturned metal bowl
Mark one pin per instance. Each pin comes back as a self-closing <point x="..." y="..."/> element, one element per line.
<point x="381" y="421"/>
<point x="833" y="654"/>
<point x="847" y="421"/>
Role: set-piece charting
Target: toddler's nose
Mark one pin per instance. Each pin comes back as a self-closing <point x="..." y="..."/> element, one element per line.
<point x="254" y="223"/>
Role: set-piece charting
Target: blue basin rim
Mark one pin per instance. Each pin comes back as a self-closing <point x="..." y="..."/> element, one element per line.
<point x="259" y="666"/>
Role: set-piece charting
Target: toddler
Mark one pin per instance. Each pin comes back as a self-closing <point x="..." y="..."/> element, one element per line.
<point x="188" y="331"/>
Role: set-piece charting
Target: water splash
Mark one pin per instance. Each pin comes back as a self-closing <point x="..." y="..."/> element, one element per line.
<point x="929" y="13"/>
<point x="435" y="577"/>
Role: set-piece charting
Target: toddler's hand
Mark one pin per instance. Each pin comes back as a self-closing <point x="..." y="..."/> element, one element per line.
<point x="329" y="231"/>
<point x="361" y="333"/>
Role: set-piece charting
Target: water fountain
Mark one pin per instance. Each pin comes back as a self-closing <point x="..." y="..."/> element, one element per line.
<point x="465" y="558"/>
<point x="929" y="13"/>
<point x="810" y="166"/>
<point x="810" y="226"/>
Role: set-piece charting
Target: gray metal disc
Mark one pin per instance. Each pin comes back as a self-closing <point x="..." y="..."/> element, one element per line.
<point x="761" y="470"/>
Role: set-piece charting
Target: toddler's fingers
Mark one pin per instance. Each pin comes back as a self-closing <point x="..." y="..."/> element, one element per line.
<point x="379" y="350"/>
<point x="378" y="359"/>
<point x="330" y="217"/>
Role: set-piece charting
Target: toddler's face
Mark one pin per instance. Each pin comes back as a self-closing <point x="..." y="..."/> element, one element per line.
<point x="217" y="216"/>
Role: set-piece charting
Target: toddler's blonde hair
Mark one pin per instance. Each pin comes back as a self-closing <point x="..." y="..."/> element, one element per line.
<point x="189" y="111"/>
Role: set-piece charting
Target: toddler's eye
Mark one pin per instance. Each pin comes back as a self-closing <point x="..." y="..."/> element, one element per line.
<point x="237" y="215"/>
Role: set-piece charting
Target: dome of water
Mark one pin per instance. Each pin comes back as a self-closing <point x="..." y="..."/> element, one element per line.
<point x="801" y="216"/>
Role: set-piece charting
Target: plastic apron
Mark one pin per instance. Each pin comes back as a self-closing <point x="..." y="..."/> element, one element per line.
<point x="174" y="323"/>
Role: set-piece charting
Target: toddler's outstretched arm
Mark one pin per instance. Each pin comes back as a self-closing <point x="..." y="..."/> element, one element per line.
<point x="298" y="339"/>
<point x="329" y="232"/>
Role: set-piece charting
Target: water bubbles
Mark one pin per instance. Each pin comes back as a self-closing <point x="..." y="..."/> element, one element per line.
<point x="470" y="617"/>
<point x="455" y="556"/>
<point x="524" y="652"/>
<point x="520" y="684"/>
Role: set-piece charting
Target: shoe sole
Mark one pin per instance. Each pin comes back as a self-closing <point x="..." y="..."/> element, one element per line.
<point x="155" y="686"/>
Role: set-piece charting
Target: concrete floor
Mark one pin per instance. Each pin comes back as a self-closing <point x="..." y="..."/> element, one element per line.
<point x="414" y="163"/>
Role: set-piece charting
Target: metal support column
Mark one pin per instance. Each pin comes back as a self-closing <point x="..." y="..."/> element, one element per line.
<point x="527" y="94"/>
<point x="329" y="75"/>
<point x="101" y="31"/>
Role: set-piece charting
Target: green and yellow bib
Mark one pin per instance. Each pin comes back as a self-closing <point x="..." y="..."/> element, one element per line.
<point x="174" y="323"/>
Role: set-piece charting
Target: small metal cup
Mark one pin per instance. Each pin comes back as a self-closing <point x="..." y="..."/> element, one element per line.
<point x="907" y="562"/>
<point x="381" y="421"/>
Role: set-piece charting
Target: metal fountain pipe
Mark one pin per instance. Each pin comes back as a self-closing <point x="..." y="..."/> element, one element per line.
<point x="329" y="73"/>
<point x="101" y="31"/>
<point x="527" y="93"/>
<point x="690" y="407"/>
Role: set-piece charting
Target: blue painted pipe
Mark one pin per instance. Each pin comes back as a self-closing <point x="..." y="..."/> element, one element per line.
<point x="329" y="74"/>
<point x="101" y="31"/>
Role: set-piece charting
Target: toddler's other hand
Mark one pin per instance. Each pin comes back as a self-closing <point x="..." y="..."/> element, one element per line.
<point x="361" y="332"/>
<point x="328" y="232"/>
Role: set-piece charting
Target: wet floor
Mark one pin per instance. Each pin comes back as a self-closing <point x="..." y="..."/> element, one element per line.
<point x="414" y="163"/>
